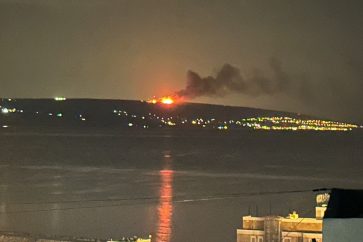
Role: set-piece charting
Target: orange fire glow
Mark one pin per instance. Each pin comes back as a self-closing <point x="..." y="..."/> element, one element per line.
<point x="154" y="101"/>
<point x="165" y="208"/>
<point x="167" y="100"/>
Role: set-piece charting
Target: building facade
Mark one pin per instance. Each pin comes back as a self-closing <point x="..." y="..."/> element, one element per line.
<point x="284" y="229"/>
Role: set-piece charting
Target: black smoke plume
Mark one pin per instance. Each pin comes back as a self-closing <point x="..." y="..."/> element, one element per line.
<point x="230" y="80"/>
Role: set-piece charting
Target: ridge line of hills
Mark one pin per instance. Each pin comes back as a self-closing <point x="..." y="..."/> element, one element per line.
<point x="61" y="112"/>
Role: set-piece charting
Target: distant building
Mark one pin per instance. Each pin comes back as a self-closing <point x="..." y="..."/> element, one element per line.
<point x="281" y="229"/>
<point x="343" y="220"/>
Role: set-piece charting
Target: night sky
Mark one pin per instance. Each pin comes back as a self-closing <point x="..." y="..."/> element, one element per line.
<point x="136" y="49"/>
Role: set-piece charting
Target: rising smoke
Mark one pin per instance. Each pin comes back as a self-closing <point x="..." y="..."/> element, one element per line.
<point x="230" y="80"/>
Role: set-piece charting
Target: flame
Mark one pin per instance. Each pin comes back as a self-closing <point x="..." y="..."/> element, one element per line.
<point x="153" y="101"/>
<point x="167" y="100"/>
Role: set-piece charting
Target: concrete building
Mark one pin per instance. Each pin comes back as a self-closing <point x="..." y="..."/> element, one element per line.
<point x="343" y="220"/>
<point x="284" y="229"/>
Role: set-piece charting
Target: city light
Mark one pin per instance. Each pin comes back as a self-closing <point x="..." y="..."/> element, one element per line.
<point x="5" y="110"/>
<point x="60" y="99"/>
<point x="9" y="110"/>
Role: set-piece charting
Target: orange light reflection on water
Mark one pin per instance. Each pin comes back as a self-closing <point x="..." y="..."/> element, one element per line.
<point x="165" y="207"/>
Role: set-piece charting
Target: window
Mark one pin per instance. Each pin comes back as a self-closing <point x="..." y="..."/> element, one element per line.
<point x="253" y="239"/>
<point x="287" y="239"/>
<point x="260" y="239"/>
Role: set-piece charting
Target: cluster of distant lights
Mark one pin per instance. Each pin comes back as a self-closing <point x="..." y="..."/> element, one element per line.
<point x="255" y="123"/>
<point x="294" y="124"/>
<point x="171" y="121"/>
<point x="6" y="110"/>
<point x="131" y="239"/>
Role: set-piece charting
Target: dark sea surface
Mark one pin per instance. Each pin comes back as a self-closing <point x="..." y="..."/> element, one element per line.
<point x="179" y="186"/>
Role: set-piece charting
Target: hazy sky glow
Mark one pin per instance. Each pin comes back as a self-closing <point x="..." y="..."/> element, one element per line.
<point x="139" y="48"/>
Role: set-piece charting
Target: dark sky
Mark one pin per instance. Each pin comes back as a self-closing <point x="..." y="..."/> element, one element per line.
<point x="135" y="49"/>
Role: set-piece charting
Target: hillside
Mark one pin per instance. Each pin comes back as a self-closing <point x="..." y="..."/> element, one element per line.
<point x="16" y="113"/>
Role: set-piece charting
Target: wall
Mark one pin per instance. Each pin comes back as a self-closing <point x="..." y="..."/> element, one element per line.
<point x="302" y="224"/>
<point x="244" y="235"/>
<point x="249" y="222"/>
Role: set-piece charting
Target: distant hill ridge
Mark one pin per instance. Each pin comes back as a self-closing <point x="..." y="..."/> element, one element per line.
<point x="113" y="114"/>
<point x="104" y="107"/>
